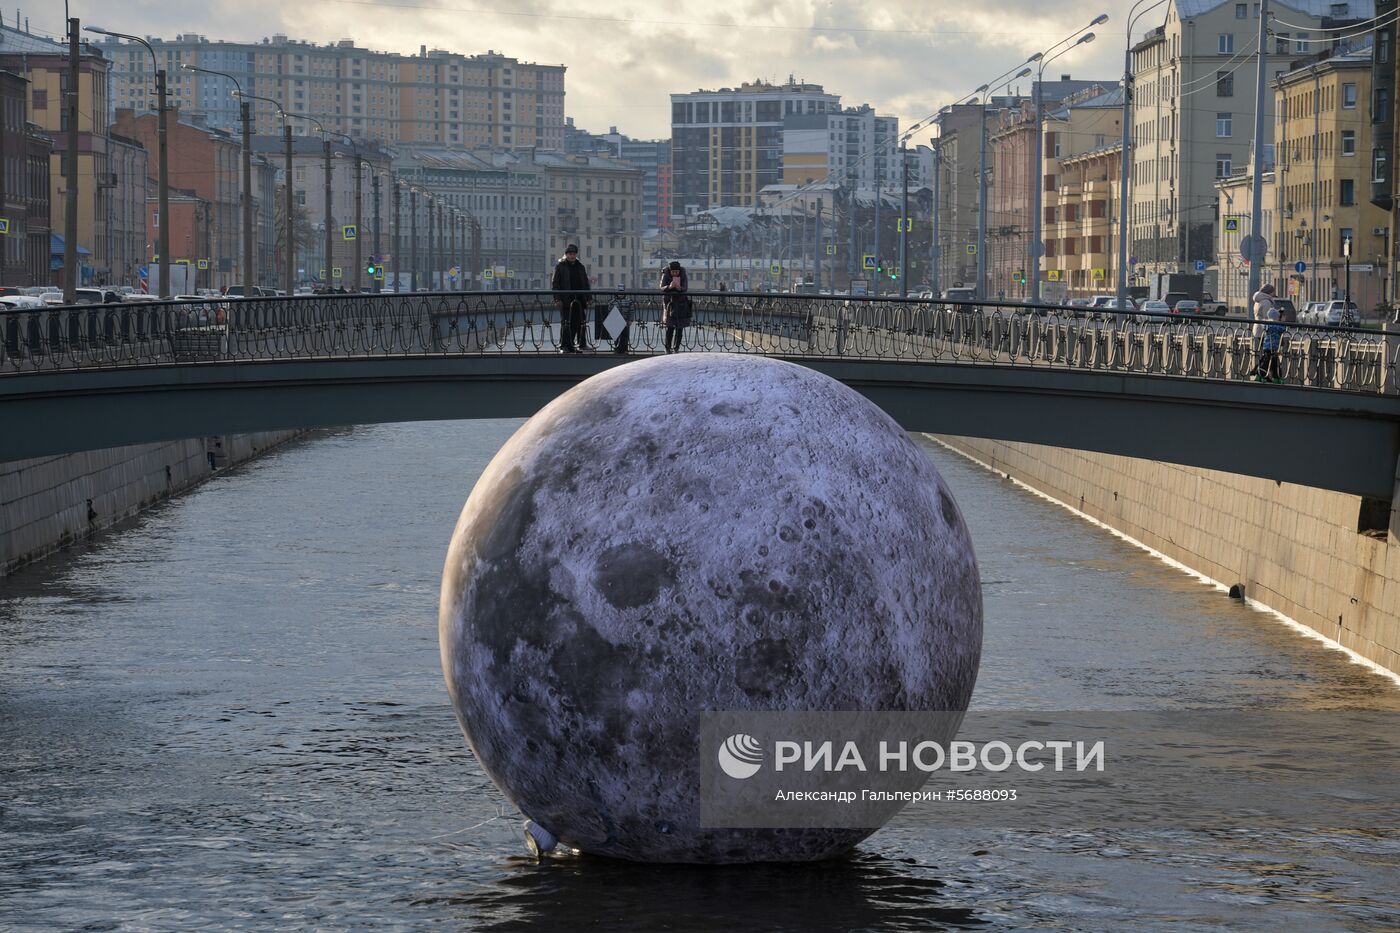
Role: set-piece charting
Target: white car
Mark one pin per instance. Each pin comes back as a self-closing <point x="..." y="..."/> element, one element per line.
<point x="23" y="303"/>
<point x="1343" y="314"/>
<point x="1314" y="312"/>
<point x="1157" y="307"/>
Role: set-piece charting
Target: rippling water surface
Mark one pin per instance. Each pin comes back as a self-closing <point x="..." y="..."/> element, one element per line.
<point x="231" y="713"/>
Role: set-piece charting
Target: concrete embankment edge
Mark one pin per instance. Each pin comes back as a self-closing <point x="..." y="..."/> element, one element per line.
<point x="1295" y="551"/>
<point x="49" y="503"/>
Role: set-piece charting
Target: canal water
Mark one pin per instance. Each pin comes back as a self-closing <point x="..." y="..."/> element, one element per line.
<point x="231" y="713"/>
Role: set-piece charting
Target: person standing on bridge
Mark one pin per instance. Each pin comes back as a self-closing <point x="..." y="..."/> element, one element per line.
<point x="1268" y="370"/>
<point x="571" y="296"/>
<point x="675" y="304"/>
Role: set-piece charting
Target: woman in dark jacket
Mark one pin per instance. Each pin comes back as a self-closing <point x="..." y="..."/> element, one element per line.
<point x="675" y="304"/>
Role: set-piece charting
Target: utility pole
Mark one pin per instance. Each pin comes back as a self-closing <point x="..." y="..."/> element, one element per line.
<point x="70" y="176"/>
<point x="378" y="256"/>
<point x="905" y="227"/>
<point x="413" y="239"/>
<point x="330" y="222"/>
<point x="397" y="247"/>
<point x="1256" y="211"/>
<point x="359" y="210"/>
<point x="935" y="250"/>
<point x="245" y="111"/>
<point x="879" y="264"/>
<point x="289" y="211"/>
<point x="452" y="249"/>
<point x="821" y="249"/>
<point x="851" y="256"/>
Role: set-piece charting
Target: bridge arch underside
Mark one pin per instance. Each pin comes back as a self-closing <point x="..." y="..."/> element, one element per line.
<point x="1328" y="440"/>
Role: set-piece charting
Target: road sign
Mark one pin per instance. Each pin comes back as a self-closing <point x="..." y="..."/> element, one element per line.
<point x="335" y="272"/>
<point x="379" y="273"/>
<point x="4" y="226"/>
<point x="831" y="249"/>
<point x="904" y="225"/>
<point x="487" y="274"/>
<point x="1300" y="266"/>
<point x="867" y="261"/>
<point x="1200" y="265"/>
<point x="1232" y="224"/>
<point x="1253" y="248"/>
<point x="1053" y="275"/>
<point x="775" y="269"/>
<point x="349" y="232"/>
<point x="758" y="263"/>
<point x="972" y="249"/>
<point x="510" y="273"/>
<point x="202" y="264"/>
<point x="1098" y="275"/>
<point x="454" y="272"/>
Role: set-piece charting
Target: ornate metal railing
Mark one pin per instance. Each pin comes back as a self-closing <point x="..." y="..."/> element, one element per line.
<point x="88" y="337"/>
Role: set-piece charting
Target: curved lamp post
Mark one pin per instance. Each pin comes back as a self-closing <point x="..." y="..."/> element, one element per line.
<point x="1037" y="246"/>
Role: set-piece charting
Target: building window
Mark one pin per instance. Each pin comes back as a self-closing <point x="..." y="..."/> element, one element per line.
<point x="1223" y="162"/>
<point x="1281" y="43"/>
<point x="1346" y="192"/>
<point x="1226" y="41"/>
<point x="1349" y="96"/>
<point x="1348" y="142"/>
<point x="1380" y="113"/>
<point x="1224" y="125"/>
<point x="1224" y="84"/>
<point x="1378" y="166"/>
<point x="1383" y="41"/>
<point x="1241" y="11"/>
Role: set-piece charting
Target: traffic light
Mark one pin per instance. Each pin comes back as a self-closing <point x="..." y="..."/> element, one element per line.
<point x="371" y="270"/>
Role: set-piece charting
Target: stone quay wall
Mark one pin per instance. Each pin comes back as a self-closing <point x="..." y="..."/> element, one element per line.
<point x="1323" y="559"/>
<point x="49" y="503"/>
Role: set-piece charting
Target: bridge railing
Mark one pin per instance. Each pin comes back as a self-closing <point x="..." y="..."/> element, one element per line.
<point x="88" y="337"/>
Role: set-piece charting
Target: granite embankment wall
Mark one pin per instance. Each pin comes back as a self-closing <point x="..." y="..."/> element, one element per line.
<point x="49" y="503"/>
<point x="1323" y="559"/>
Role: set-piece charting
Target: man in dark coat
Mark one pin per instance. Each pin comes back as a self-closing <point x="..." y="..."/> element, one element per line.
<point x="571" y="296"/>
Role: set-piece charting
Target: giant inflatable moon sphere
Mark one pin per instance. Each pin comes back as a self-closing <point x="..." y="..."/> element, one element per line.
<point x="685" y="533"/>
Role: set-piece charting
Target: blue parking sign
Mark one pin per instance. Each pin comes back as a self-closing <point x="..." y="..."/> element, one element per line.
<point x="1200" y="265"/>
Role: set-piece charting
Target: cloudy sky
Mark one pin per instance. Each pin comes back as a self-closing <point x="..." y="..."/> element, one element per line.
<point x="625" y="56"/>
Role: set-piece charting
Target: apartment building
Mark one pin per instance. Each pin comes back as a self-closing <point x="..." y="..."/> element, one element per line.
<point x="436" y="97"/>
<point x="595" y="202"/>
<point x="854" y="147"/>
<point x="1194" y="85"/>
<point x="1082" y="159"/>
<point x="1323" y="178"/>
<point x="43" y="64"/>
<point x="727" y="144"/>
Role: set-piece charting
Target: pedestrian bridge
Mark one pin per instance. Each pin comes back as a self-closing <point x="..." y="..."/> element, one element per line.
<point x="1156" y="387"/>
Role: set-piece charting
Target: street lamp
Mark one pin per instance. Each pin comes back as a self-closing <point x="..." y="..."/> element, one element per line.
<point x="330" y="239"/>
<point x="1125" y="157"/>
<point x="1036" y="247"/>
<point x="289" y="247"/>
<point x="996" y="83"/>
<point x="163" y="243"/>
<point x="360" y="162"/>
<point x="245" y="112"/>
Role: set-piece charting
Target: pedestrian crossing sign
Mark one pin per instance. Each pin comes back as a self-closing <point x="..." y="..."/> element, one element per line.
<point x="831" y="249"/>
<point x="868" y="261"/>
<point x="972" y="249"/>
<point x="335" y="272"/>
<point x="1232" y="224"/>
<point x="349" y="231"/>
<point x="4" y="226"/>
<point x="1097" y="275"/>
<point x="775" y="269"/>
<point x="488" y="274"/>
<point x="905" y="225"/>
<point x="1053" y="275"/>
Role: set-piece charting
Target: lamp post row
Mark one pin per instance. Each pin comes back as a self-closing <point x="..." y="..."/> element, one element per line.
<point x="442" y="218"/>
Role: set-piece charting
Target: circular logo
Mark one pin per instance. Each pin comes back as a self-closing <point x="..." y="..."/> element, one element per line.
<point x="741" y="756"/>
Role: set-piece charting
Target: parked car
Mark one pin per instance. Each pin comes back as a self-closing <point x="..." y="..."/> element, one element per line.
<point x="1343" y="314"/>
<point x="1187" y="306"/>
<point x="8" y="290"/>
<point x="97" y="296"/>
<point x="1212" y="306"/>
<point x="1314" y="312"/>
<point x="1171" y="298"/>
<point x="21" y="303"/>
<point x="1156" y="306"/>
<point x="960" y="293"/>
<point x="51" y="297"/>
